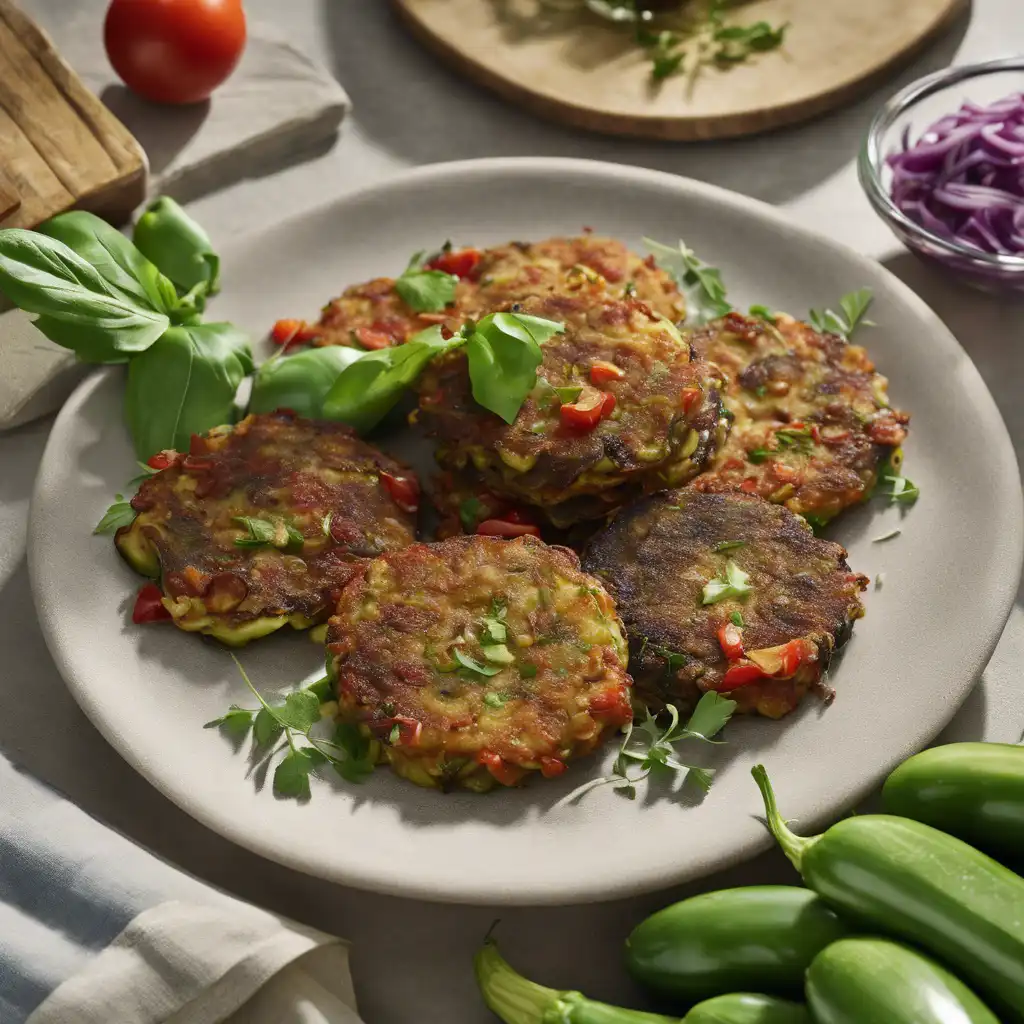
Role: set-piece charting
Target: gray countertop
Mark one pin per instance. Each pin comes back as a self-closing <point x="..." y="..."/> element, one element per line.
<point x="412" y="960"/>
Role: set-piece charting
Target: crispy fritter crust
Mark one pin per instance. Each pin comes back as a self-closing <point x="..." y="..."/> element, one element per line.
<point x="811" y="421"/>
<point x="545" y="633"/>
<point x="283" y="470"/>
<point x="664" y="427"/>
<point x="656" y="557"/>
<point x="506" y="273"/>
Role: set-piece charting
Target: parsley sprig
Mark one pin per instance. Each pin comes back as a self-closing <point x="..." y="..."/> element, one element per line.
<point x="348" y="751"/>
<point x="649" y="747"/>
<point x="701" y="283"/>
<point x="853" y="306"/>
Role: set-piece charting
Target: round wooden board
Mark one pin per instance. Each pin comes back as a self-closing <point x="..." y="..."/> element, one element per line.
<point x="576" y="68"/>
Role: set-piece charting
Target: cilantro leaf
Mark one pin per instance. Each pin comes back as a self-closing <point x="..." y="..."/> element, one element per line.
<point x="235" y="721"/>
<point x="300" y="711"/>
<point x="119" y="514"/>
<point x="709" y="717"/>
<point x="734" y="582"/>
<point x="291" y="777"/>
<point x="425" y="291"/>
<point x="854" y="306"/>
<point x="472" y="665"/>
<point x="266" y="728"/>
<point x="703" y="285"/>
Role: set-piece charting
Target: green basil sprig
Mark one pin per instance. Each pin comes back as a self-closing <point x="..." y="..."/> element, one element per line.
<point x="426" y="291"/>
<point x="185" y="384"/>
<point x="169" y="237"/>
<point x="502" y="349"/>
<point x="300" y="382"/>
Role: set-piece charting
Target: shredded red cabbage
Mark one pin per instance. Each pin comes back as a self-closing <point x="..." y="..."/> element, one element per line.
<point x="963" y="179"/>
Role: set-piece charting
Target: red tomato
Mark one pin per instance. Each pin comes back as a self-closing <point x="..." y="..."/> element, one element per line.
<point x="505" y="773"/>
<point x="688" y="397"/>
<point x="404" y="491"/>
<point x="731" y="640"/>
<point x="502" y="528"/>
<point x="740" y="675"/>
<point x="601" y="372"/>
<point x="608" y="405"/>
<point x="174" y="51"/>
<point x="292" y="332"/>
<point x="163" y="460"/>
<point x="373" y="340"/>
<point x="458" y="262"/>
<point x="586" y="412"/>
<point x="552" y="767"/>
<point x="149" y="606"/>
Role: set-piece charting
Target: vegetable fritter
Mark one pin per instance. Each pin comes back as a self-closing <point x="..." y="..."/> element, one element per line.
<point x="479" y="660"/>
<point x="619" y="407"/>
<point x="726" y="592"/>
<point x="373" y="314"/>
<point x="262" y="524"/>
<point x="811" y="420"/>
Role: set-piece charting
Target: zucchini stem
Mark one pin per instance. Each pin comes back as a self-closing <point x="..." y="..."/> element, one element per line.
<point x="793" y="846"/>
<point x="515" y="999"/>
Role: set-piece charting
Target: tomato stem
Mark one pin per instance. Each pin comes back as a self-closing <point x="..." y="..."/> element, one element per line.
<point x="793" y="846"/>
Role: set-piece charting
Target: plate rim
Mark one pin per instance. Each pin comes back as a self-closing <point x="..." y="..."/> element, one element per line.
<point x="584" y="891"/>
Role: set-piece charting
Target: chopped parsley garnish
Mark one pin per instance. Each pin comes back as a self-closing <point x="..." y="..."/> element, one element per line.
<point x="474" y="666"/>
<point x="738" y="42"/>
<point x="728" y="545"/>
<point x="425" y="291"/>
<point x="737" y="619"/>
<point x="801" y="440"/>
<point x="734" y="582"/>
<point x="763" y="312"/>
<point x="493" y="624"/>
<point x="761" y="390"/>
<point x="119" y="514"/>
<point x="267" y="533"/>
<point x="853" y="306"/>
<point x="649" y="747"/>
<point x="674" y="660"/>
<point x="705" y="291"/>
<point x="758" y="455"/>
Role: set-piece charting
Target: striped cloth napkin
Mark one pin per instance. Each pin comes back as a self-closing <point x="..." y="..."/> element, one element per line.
<point x="95" y="930"/>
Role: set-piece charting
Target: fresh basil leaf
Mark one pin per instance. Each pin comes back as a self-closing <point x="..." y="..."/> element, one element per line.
<point x="701" y="283"/>
<point x="236" y="721"/>
<point x="504" y="352"/>
<point x="119" y="514"/>
<point x="185" y="384"/>
<point x="182" y="250"/>
<point x="472" y="665"/>
<point x="77" y="306"/>
<point x="300" y="382"/>
<point x="114" y="257"/>
<point x="368" y="389"/>
<point x="426" y="291"/>
<point x="291" y="777"/>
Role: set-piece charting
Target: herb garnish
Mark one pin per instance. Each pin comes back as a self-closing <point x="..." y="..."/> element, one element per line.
<point x="702" y="284"/>
<point x="854" y="306"/>
<point x="119" y="514"/>
<point x="269" y="533"/>
<point x="348" y="752"/>
<point x="472" y="665"/>
<point x="728" y="545"/>
<point x="763" y="312"/>
<point x="734" y="582"/>
<point x="650" y="747"/>
<point x="469" y="513"/>
<point x="425" y="291"/>
<point x="737" y="619"/>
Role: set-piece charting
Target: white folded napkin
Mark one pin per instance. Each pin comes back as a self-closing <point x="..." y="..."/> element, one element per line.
<point x="95" y="930"/>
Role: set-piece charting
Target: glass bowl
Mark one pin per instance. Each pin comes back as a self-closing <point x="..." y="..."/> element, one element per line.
<point x="915" y="108"/>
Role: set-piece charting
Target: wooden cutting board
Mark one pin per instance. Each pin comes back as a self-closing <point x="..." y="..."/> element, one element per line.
<point x="574" y="67"/>
<point x="59" y="145"/>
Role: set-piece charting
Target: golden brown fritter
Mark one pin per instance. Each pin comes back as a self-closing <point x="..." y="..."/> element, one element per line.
<point x="658" y="425"/>
<point x="657" y="557"/>
<point x="811" y="420"/>
<point x="479" y="660"/>
<point x="373" y="315"/>
<point x="262" y="524"/>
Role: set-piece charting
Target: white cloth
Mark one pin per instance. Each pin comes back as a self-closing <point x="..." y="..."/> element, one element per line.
<point x="95" y="930"/>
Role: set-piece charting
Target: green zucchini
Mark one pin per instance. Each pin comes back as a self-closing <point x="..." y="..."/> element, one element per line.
<point x="760" y="938"/>
<point x="914" y="882"/>
<point x="747" y="1008"/>
<point x="974" y="791"/>
<point x="874" y="981"/>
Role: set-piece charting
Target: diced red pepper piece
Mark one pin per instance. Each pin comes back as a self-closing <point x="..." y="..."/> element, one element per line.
<point x="292" y="332"/>
<point x="602" y="372"/>
<point x="608" y="405"/>
<point x="515" y="515"/>
<point x="689" y="397"/>
<point x="409" y="730"/>
<point x="507" y="774"/>
<point x="586" y="412"/>
<point x="613" y="706"/>
<point x="404" y="491"/>
<point x="552" y="767"/>
<point x="373" y="340"/>
<point x="163" y="460"/>
<point x="503" y="528"/>
<point x="149" y="605"/>
<point x="195" y="463"/>
<point x="740" y="674"/>
<point x="458" y="262"/>
<point x="731" y="639"/>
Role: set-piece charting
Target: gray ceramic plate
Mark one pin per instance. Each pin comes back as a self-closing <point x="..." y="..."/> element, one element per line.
<point x="950" y="577"/>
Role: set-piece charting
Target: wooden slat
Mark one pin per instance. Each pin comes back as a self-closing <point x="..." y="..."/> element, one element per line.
<point x="59" y="146"/>
<point x="9" y="201"/>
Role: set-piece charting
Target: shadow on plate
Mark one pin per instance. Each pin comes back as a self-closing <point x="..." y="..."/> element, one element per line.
<point x="409" y="103"/>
